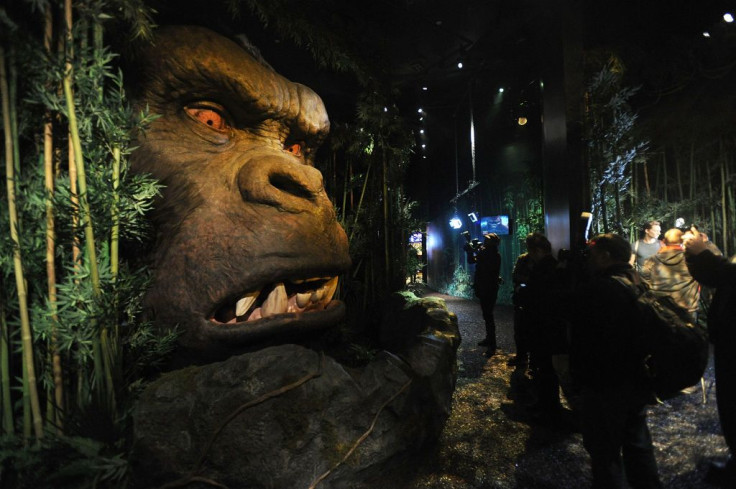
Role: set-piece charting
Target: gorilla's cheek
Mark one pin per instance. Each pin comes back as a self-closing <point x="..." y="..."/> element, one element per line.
<point x="266" y="249"/>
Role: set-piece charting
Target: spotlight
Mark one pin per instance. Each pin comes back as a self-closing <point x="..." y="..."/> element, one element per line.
<point x="500" y="90"/>
<point x="728" y="17"/>
<point x="456" y="223"/>
<point x="473" y="217"/>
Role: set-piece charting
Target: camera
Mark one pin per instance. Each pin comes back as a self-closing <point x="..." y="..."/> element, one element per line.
<point x="471" y="245"/>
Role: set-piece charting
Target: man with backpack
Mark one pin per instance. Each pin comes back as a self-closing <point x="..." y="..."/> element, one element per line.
<point x="607" y="365"/>
<point x="717" y="271"/>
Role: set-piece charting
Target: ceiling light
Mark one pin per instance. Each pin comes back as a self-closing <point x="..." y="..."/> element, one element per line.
<point x="500" y="90"/>
<point x="421" y="131"/>
<point x="424" y="146"/>
<point x="424" y="88"/>
<point x="460" y="65"/>
<point x="706" y="34"/>
<point x="420" y="110"/>
<point x="728" y="17"/>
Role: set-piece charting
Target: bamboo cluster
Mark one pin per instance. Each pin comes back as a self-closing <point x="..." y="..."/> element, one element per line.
<point x="67" y="130"/>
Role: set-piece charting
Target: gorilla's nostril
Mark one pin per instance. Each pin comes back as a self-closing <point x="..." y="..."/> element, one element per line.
<point x="286" y="183"/>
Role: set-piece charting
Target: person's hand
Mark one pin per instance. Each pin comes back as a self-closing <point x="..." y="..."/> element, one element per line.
<point x="695" y="244"/>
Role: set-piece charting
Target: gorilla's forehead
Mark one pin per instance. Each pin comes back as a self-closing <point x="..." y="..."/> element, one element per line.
<point x="189" y="63"/>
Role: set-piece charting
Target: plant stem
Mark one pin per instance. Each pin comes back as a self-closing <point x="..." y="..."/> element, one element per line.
<point x="26" y="337"/>
<point x="49" y="177"/>
<point x="115" y="234"/>
<point x="102" y="366"/>
<point x="7" y="421"/>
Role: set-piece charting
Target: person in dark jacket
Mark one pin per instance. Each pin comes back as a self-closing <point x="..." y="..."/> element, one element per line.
<point x="607" y="365"/>
<point x="717" y="271"/>
<point x="537" y="299"/>
<point x="665" y="272"/>
<point x="486" y="282"/>
<point x="520" y="276"/>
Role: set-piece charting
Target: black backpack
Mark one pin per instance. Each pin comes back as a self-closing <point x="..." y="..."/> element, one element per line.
<point x="676" y="347"/>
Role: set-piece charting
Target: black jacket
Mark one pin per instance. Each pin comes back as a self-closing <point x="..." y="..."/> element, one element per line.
<point x="716" y="271"/>
<point x="606" y="337"/>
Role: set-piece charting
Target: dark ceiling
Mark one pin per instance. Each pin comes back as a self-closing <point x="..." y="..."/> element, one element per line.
<point x="418" y="43"/>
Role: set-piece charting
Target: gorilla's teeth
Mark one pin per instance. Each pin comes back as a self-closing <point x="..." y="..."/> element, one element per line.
<point x="242" y="306"/>
<point x="303" y="299"/>
<point x="317" y="295"/>
<point x="330" y="288"/>
<point x="276" y="302"/>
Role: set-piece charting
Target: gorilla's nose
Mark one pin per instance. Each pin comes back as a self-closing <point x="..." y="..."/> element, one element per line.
<point x="281" y="182"/>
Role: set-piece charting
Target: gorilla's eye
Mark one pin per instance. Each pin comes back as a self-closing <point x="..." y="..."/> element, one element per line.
<point x="209" y="116"/>
<point x="294" y="148"/>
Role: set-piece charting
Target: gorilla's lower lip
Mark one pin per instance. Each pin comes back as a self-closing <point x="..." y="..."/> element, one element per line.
<point x="297" y="296"/>
<point x="287" y="323"/>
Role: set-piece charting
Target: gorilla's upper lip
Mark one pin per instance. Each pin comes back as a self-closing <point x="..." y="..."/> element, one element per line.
<point x="285" y="297"/>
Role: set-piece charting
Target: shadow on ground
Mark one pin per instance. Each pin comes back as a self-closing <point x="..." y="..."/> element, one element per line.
<point x="492" y="441"/>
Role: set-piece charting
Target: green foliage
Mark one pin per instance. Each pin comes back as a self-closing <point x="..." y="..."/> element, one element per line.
<point x="94" y="411"/>
<point x="60" y="463"/>
<point x="612" y="149"/>
<point x="461" y="285"/>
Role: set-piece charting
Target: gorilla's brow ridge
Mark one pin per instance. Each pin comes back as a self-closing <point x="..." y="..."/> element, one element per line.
<point x="242" y="94"/>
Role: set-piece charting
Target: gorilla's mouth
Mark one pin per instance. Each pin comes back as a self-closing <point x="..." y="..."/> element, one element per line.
<point x="296" y="296"/>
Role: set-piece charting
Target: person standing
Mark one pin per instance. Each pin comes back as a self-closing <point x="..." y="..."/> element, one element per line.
<point x="538" y="299"/>
<point x="608" y="368"/>
<point x="486" y="282"/>
<point x="520" y="276"/>
<point x="666" y="273"/>
<point x="717" y="271"/>
<point x="647" y="246"/>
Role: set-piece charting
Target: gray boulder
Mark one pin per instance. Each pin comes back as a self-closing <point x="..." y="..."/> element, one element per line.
<point x="291" y="417"/>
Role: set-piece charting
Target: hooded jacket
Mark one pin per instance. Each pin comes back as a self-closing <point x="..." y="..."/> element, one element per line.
<point x="666" y="272"/>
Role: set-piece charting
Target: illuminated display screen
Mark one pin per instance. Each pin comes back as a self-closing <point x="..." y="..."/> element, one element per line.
<point x="495" y="224"/>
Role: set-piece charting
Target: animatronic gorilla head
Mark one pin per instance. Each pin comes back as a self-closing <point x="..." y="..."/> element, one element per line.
<point x="247" y="246"/>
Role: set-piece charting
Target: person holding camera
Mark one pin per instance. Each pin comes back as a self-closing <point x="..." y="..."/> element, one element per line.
<point x="487" y="261"/>
<point x="717" y="271"/>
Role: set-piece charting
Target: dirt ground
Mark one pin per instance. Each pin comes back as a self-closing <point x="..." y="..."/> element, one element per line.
<point x="491" y="441"/>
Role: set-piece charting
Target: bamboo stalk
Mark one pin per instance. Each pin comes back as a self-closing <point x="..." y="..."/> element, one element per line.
<point x="7" y="421"/>
<point x="102" y="366"/>
<point x="387" y="253"/>
<point x="724" y="196"/>
<point x="49" y="178"/>
<point x="26" y="336"/>
<point x="360" y="202"/>
<point x="710" y="202"/>
<point x="678" y="174"/>
<point x="115" y="233"/>
<point x="13" y="90"/>
<point x="692" y="171"/>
